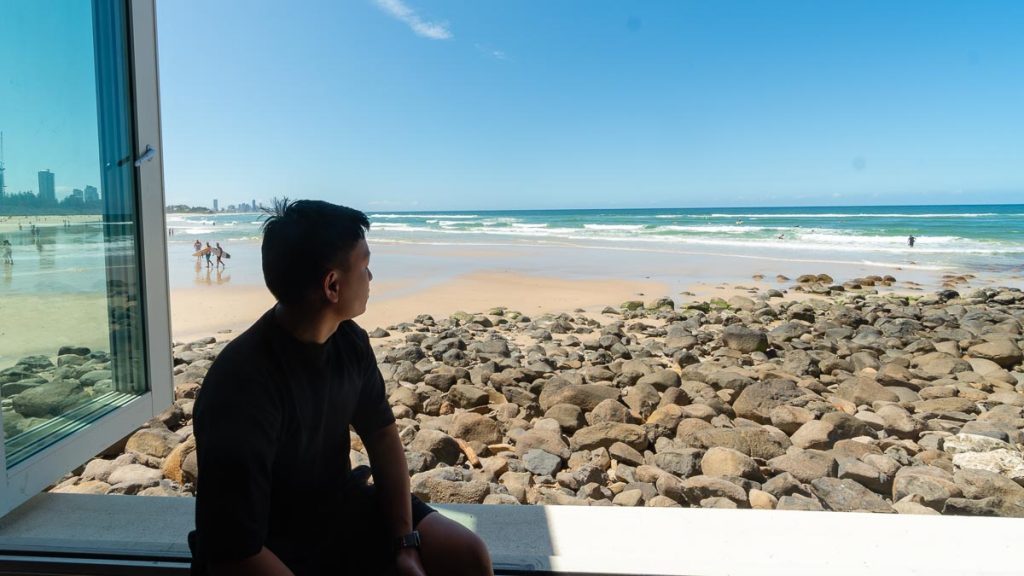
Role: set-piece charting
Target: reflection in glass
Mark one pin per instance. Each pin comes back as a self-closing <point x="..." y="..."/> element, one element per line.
<point x="71" y="327"/>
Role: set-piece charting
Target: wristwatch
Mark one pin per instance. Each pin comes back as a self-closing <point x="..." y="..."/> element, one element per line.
<point x="410" y="540"/>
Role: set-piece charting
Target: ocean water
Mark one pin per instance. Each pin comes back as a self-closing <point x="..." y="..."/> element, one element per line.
<point x="978" y="239"/>
<point x="986" y="238"/>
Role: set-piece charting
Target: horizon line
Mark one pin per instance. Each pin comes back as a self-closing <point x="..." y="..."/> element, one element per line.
<point x="823" y="206"/>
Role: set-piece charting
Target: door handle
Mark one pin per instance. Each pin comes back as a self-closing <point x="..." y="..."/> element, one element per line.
<point x="146" y="156"/>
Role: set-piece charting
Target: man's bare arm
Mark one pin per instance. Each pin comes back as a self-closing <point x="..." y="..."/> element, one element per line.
<point x="265" y="563"/>
<point x="391" y="477"/>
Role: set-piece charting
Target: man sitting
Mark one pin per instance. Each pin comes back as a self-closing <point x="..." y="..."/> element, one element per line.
<point x="276" y="493"/>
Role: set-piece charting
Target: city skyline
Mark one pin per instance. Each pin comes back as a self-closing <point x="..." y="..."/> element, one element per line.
<point x="46" y="190"/>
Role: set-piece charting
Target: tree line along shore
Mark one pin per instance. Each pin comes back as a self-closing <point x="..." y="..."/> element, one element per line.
<point x="847" y="401"/>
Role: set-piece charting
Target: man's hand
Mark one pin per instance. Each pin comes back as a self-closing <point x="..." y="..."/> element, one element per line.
<point x="408" y="563"/>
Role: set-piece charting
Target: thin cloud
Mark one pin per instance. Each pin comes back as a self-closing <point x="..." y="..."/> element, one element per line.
<point x="491" y="52"/>
<point x="403" y="13"/>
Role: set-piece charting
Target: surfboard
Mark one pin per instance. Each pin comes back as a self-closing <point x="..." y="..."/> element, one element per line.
<point x="225" y="255"/>
<point x="202" y="252"/>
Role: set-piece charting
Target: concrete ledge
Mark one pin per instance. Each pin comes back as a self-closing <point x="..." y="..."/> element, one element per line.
<point x="573" y="540"/>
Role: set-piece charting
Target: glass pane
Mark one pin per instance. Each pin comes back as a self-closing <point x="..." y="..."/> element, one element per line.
<point x="71" y="328"/>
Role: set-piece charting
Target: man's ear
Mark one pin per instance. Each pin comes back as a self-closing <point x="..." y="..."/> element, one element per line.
<point x="332" y="286"/>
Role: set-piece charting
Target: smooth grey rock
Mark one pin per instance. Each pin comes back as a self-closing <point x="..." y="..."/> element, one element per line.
<point x="845" y="495"/>
<point x="542" y="463"/>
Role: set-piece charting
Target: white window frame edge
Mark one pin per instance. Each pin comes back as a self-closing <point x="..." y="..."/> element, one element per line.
<point x="35" y="474"/>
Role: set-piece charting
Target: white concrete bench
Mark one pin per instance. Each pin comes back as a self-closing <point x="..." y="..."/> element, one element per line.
<point x="77" y="534"/>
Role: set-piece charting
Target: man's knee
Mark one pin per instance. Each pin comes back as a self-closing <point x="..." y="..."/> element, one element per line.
<point x="453" y="549"/>
<point x="478" y="559"/>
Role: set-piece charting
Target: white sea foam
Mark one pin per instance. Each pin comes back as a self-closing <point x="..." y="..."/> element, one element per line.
<point x="496" y="221"/>
<point x="724" y="235"/>
<point x="713" y="229"/>
<point x="623" y="227"/>
<point x="846" y="215"/>
<point x="419" y="216"/>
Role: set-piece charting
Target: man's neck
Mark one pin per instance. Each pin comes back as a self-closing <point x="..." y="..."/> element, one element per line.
<point x="306" y="325"/>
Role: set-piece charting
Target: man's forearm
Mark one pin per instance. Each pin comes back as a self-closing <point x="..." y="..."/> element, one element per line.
<point x="391" y="477"/>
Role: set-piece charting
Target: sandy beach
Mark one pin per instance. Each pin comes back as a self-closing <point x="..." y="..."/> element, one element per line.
<point x="413" y="279"/>
<point x="199" y="312"/>
<point x="11" y="223"/>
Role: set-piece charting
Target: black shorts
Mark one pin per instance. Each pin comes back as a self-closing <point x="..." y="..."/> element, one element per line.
<point x="364" y="540"/>
<point x="367" y="539"/>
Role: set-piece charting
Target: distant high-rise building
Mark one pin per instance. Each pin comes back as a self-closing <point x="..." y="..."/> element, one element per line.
<point x="254" y="208"/>
<point x="78" y="193"/>
<point x="92" y="194"/>
<point x="216" y="207"/>
<point x="47" y="190"/>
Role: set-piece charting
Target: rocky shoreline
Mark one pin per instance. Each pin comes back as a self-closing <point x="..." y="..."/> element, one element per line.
<point x="846" y="401"/>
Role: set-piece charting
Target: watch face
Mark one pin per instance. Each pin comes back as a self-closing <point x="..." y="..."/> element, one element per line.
<point x="410" y="540"/>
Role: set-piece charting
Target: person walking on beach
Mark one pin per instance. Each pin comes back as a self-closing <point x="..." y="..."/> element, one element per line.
<point x="278" y="494"/>
<point x="911" y="240"/>
<point x="8" y="254"/>
<point x="207" y="253"/>
<point x="220" y="255"/>
<point x="198" y="245"/>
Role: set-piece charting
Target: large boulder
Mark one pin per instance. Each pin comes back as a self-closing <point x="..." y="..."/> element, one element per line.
<point x="1009" y="463"/>
<point x="981" y="485"/>
<point x="701" y="487"/>
<point x="546" y="440"/>
<point x="865" y="391"/>
<point x="1003" y="352"/>
<point x="757" y="400"/>
<point x="442" y="446"/>
<point x="932" y="485"/>
<point x="605" y="434"/>
<point x="586" y="396"/>
<point x="448" y="486"/>
<point x="848" y="496"/>
<point x="661" y="380"/>
<point x="753" y="441"/>
<point x="157" y="442"/>
<point x="805" y="465"/>
<point x="174" y="465"/>
<point x="743" y="339"/>
<point x="50" y="399"/>
<point x="473" y="427"/>
<point x="938" y="364"/>
<point x="467" y="396"/>
<point x="541" y="463"/>
<point x="682" y="462"/>
<point x="568" y="416"/>
<point x="720" y="461"/>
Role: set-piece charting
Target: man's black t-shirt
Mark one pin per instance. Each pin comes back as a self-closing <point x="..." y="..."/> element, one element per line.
<point x="272" y="437"/>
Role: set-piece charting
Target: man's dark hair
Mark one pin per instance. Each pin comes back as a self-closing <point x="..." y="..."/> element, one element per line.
<point x="305" y="239"/>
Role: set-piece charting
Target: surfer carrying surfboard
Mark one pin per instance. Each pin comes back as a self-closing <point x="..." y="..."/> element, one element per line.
<point x="221" y="255"/>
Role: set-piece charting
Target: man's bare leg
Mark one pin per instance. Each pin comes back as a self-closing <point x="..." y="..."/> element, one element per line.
<point x="448" y="549"/>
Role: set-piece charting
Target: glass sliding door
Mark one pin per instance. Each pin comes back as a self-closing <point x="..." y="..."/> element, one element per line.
<point x="72" y="322"/>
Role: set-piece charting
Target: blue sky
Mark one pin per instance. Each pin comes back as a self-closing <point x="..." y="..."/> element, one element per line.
<point x="48" y="94"/>
<point x="434" y="104"/>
